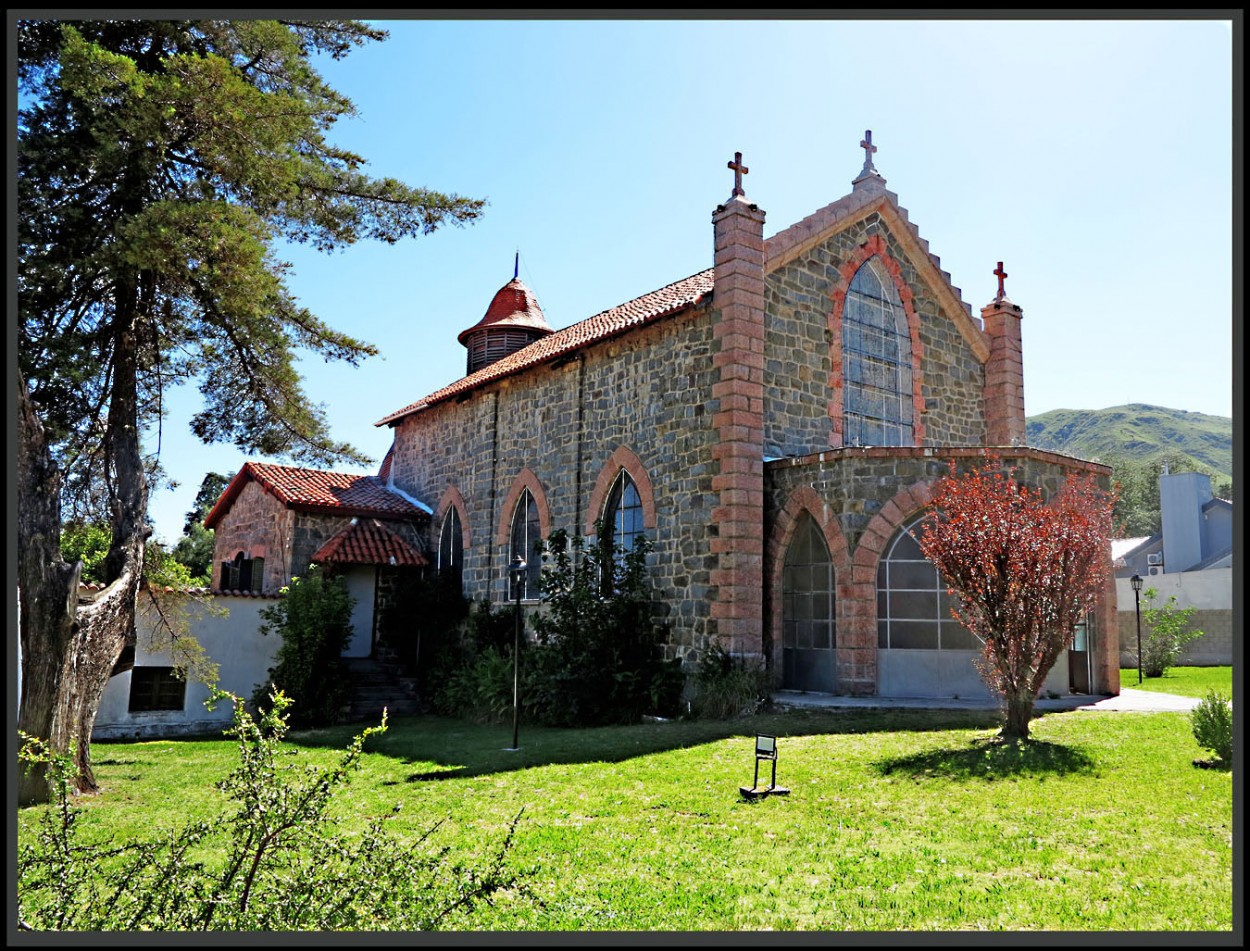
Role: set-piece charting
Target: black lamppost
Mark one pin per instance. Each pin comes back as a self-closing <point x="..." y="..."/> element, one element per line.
<point x="516" y="574"/>
<point x="1136" y="582"/>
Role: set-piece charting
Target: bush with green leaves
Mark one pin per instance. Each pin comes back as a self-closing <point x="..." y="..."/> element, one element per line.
<point x="729" y="686"/>
<point x="469" y="673"/>
<point x="314" y="620"/>
<point x="1212" y="723"/>
<point x="598" y="656"/>
<point x="1168" y="632"/>
<point x="277" y="862"/>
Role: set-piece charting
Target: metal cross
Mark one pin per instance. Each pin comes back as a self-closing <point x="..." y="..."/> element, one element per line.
<point x="1001" y="274"/>
<point x="739" y="171"/>
<point x="868" y="148"/>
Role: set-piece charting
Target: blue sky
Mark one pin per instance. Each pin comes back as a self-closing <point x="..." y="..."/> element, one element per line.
<point x="1093" y="158"/>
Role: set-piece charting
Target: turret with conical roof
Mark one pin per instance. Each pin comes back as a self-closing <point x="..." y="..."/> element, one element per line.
<point x="513" y="321"/>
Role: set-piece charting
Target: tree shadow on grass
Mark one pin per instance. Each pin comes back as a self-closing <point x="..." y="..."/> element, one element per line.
<point x="442" y="748"/>
<point x="990" y="759"/>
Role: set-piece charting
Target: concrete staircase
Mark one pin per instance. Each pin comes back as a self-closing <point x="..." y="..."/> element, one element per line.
<point x="381" y="681"/>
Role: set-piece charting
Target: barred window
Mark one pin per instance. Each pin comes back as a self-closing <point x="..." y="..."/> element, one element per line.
<point x="156" y="688"/>
<point x="876" y="363"/>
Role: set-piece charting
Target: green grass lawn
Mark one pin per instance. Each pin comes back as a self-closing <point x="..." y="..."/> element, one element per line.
<point x="1184" y="681"/>
<point x="900" y="820"/>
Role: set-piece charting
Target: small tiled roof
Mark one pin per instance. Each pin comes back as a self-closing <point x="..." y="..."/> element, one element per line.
<point x="316" y="490"/>
<point x="513" y="305"/>
<point x="642" y="310"/>
<point x="368" y="542"/>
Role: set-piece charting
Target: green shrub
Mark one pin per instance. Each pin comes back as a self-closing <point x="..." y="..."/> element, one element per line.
<point x="729" y="686"/>
<point x="281" y="864"/>
<point x="314" y="621"/>
<point x="1169" y="632"/>
<point x="1212" y="722"/>
<point x="480" y="690"/>
<point x="598" y="657"/>
<point x="469" y="673"/>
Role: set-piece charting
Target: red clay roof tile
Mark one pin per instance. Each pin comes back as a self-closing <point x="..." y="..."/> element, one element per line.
<point x="642" y="310"/>
<point x="316" y="490"/>
<point x="513" y="305"/>
<point x="368" y="542"/>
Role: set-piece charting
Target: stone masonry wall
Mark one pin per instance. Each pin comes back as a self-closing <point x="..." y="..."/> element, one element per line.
<point x="259" y="526"/>
<point x="863" y="495"/>
<point x="649" y="391"/>
<point x="797" y="352"/>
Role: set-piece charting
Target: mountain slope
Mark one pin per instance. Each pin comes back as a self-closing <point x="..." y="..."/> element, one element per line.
<point x="1138" y="432"/>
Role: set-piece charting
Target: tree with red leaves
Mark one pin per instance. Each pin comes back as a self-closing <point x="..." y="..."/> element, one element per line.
<point x="1024" y="571"/>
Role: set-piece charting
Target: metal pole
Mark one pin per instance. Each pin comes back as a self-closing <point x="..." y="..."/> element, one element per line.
<point x="516" y="664"/>
<point x="1137" y="599"/>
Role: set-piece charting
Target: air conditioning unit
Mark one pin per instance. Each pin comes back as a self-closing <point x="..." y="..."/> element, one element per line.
<point x="1155" y="558"/>
<point x="1154" y="570"/>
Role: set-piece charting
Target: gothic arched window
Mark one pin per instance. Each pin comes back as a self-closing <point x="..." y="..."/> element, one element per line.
<point x="876" y="363"/>
<point x="808" y="618"/>
<point x="622" y="514"/>
<point x="526" y="534"/>
<point x="451" y="546"/>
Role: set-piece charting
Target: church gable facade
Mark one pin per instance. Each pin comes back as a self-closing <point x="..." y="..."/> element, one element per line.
<point x="773" y="425"/>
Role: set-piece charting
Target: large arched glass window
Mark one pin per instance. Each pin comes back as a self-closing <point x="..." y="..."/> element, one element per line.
<point x="808" y="627"/>
<point x="913" y="608"/>
<point x="451" y="546"/>
<point x="526" y="534"/>
<point x="876" y="363"/>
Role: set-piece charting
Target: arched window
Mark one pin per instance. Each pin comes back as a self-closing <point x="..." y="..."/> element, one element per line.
<point x="913" y="608"/>
<point x="451" y="546"/>
<point x="526" y="535"/>
<point x="808" y="625"/>
<point x="622" y="514"/>
<point x="876" y="363"/>
<point x="243" y="574"/>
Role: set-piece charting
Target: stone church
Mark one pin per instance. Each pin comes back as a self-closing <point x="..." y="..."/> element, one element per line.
<point x="773" y="425"/>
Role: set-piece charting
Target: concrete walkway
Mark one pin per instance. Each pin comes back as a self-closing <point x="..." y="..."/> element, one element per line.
<point x="1138" y="701"/>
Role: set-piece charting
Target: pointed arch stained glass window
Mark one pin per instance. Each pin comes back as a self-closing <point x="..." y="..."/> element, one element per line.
<point x="876" y="363"/>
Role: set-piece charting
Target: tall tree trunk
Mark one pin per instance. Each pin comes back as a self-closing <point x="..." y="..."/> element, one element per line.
<point x="47" y="595"/>
<point x="69" y="650"/>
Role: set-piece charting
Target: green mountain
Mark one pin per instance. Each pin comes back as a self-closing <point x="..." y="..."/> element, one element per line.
<point x="1139" y="433"/>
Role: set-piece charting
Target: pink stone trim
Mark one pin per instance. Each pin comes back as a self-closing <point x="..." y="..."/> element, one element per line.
<point x="525" y="480"/>
<point x="624" y="459"/>
<point x="453" y="499"/>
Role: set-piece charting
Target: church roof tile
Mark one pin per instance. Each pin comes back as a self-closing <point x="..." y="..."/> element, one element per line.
<point x="316" y="490"/>
<point x="368" y="542"/>
<point x="641" y="310"/>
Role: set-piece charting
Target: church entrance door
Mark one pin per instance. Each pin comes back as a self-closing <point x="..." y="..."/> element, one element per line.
<point x="808" y="634"/>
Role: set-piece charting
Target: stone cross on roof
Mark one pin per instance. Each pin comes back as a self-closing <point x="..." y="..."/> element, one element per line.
<point x="1001" y="274"/>
<point x="739" y="171"/>
<point x="869" y="148"/>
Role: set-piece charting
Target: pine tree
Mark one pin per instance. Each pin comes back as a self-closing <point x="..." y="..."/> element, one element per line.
<point x="159" y="163"/>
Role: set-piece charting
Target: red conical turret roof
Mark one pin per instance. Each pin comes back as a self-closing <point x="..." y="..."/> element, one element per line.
<point x="514" y="306"/>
